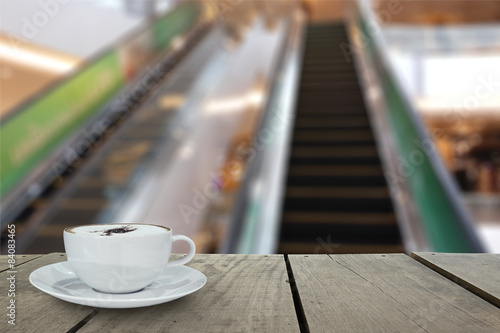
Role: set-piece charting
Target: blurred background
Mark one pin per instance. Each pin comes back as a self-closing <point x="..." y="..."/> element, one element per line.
<point x="253" y="126"/>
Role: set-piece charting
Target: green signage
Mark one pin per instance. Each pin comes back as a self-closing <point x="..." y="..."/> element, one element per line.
<point x="35" y="132"/>
<point x="30" y="136"/>
<point x="166" y="29"/>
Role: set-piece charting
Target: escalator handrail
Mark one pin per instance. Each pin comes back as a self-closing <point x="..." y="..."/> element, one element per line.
<point x="464" y="225"/>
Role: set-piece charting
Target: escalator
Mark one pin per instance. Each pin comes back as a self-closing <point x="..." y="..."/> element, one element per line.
<point x="336" y="197"/>
<point x="224" y="100"/>
<point x="156" y="163"/>
<point x="91" y="190"/>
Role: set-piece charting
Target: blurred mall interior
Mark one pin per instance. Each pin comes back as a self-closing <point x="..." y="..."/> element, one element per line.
<point x="253" y="126"/>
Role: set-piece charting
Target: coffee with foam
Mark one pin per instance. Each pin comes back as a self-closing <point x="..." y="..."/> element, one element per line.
<point x="117" y="230"/>
<point x="122" y="257"/>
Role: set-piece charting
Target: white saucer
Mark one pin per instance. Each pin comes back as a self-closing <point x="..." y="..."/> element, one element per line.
<point x="60" y="281"/>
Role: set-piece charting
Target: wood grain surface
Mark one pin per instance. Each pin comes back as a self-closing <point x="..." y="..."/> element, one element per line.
<point x="252" y="293"/>
<point x="35" y="310"/>
<point x="385" y="293"/>
<point x="479" y="273"/>
<point x="244" y="293"/>
<point x="20" y="259"/>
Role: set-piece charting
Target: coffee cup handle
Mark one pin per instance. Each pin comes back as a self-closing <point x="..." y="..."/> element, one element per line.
<point x="189" y="255"/>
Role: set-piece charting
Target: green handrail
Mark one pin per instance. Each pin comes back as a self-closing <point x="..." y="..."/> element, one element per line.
<point x="445" y="221"/>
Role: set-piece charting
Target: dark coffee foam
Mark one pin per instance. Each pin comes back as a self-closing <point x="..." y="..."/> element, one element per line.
<point x="120" y="230"/>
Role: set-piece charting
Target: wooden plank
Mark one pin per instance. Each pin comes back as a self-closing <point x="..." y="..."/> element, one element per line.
<point x="385" y="293"/>
<point x="20" y="259"/>
<point x="37" y="311"/>
<point x="244" y="293"/>
<point x="479" y="273"/>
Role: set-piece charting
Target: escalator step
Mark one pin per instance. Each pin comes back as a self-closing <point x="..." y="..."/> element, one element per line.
<point x="341" y="152"/>
<point x="331" y="108"/>
<point x="336" y="192"/>
<point x="330" y="121"/>
<point x="339" y="218"/>
<point x="335" y="170"/>
<point x="383" y="205"/>
<point x="341" y="233"/>
<point x="332" y="136"/>
<point x="335" y="160"/>
<point x="328" y="175"/>
<point x="355" y="181"/>
<point x="336" y="198"/>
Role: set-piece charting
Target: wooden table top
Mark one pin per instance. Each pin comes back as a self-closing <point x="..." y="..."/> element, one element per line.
<point x="427" y="292"/>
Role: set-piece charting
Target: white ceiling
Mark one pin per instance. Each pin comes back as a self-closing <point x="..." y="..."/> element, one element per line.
<point x="77" y="27"/>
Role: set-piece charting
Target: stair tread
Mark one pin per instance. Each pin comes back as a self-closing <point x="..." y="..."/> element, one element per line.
<point x="335" y="135"/>
<point x="337" y="192"/>
<point x="334" y="170"/>
<point x="333" y="218"/>
<point x="364" y="151"/>
<point x="335" y="187"/>
<point x="303" y="121"/>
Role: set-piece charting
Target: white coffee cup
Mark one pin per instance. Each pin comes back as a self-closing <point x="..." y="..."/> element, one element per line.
<point x="121" y="258"/>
